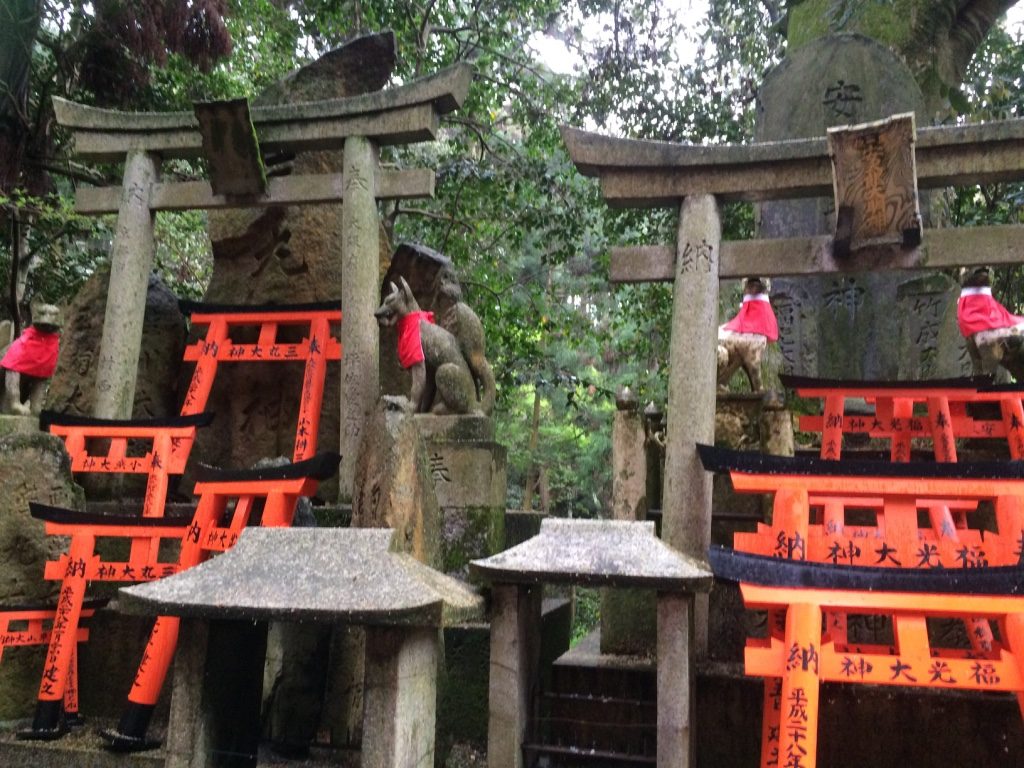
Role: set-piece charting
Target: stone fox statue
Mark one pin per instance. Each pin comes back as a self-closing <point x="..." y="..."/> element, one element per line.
<point x="994" y="337"/>
<point x="442" y="382"/>
<point x="33" y="355"/>
<point x="462" y="322"/>
<point x="742" y="340"/>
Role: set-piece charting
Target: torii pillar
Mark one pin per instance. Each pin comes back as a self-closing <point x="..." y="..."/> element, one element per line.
<point x="692" y="384"/>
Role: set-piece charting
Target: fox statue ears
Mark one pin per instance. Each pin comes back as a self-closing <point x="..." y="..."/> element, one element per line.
<point x="402" y="287"/>
<point x="406" y="290"/>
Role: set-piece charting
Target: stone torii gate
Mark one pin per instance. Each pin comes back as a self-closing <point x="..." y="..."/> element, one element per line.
<point x="233" y="140"/>
<point x="696" y="180"/>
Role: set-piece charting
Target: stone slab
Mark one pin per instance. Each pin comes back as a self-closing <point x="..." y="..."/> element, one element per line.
<point x="599" y="553"/>
<point x="398" y="115"/>
<point x="331" y="575"/>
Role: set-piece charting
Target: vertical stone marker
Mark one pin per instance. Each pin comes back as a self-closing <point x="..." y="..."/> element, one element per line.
<point x="131" y="260"/>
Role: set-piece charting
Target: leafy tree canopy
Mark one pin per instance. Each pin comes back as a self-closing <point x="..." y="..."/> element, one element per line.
<point x="528" y="235"/>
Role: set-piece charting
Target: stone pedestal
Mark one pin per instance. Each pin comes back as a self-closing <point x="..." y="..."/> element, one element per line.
<point x="468" y="469"/>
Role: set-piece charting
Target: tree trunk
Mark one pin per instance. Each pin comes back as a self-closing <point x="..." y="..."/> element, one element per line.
<point x="19" y="22"/>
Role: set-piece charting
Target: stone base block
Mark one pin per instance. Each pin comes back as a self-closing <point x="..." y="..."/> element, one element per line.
<point x="468" y="474"/>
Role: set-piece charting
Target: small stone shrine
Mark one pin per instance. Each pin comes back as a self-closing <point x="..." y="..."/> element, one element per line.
<point x="334" y="576"/>
<point x="606" y="553"/>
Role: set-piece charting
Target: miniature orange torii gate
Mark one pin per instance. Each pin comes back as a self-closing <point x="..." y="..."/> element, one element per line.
<point x="359" y="125"/>
<point x="317" y="347"/>
<point x="164" y="449"/>
<point x="696" y="179"/>
<point x="947" y="416"/>
<point x="896" y="493"/>
<point x="801" y="656"/>
<point x="32" y="624"/>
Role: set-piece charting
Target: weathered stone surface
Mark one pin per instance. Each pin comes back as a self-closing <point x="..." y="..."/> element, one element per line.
<point x="468" y="474"/>
<point x="596" y="552"/>
<point x="644" y="174"/>
<point x="72" y="388"/>
<point x="629" y="465"/>
<point x="393" y="487"/>
<point x="400" y="713"/>
<point x="455" y="429"/>
<point x="131" y="261"/>
<point x="468" y="471"/>
<point x="628" y="621"/>
<point x="930" y="345"/>
<point x="628" y="616"/>
<point x="360" y="254"/>
<point x="18" y="425"/>
<point x="33" y="467"/>
<point x="293" y="574"/>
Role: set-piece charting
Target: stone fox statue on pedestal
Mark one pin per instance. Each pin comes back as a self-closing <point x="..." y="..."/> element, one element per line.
<point x="442" y="382"/>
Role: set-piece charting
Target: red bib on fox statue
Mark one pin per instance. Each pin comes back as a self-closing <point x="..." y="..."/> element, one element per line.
<point x="410" y="344"/>
<point x="755" y="316"/>
<point x="33" y="353"/>
<point x="977" y="311"/>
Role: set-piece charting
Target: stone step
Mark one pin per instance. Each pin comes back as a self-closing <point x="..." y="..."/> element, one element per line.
<point x="550" y="756"/>
<point x="585" y="671"/>
<point x="599" y="709"/>
<point x="604" y="724"/>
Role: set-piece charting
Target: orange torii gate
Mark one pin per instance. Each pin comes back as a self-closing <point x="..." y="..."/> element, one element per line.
<point x="74" y="569"/>
<point x="316" y="348"/>
<point x="801" y="656"/>
<point x="812" y="498"/>
<point x="171" y="441"/>
<point x="947" y="416"/>
<point x="33" y="624"/>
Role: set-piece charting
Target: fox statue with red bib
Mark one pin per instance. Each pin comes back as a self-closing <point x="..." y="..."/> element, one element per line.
<point x="742" y="340"/>
<point x="31" y="360"/>
<point x="994" y="336"/>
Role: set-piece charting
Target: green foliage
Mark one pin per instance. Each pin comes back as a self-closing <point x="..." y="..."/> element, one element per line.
<point x="528" y="234"/>
<point x="587" y="615"/>
<point x="994" y="90"/>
